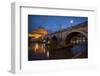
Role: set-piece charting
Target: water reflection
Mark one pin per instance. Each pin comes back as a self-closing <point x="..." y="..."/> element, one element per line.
<point x="44" y="50"/>
<point x="40" y="49"/>
<point x="36" y="47"/>
<point x="48" y="53"/>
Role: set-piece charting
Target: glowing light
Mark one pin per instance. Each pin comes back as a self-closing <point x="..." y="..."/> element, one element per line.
<point x="77" y="41"/>
<point x="48" y="53"/>
<point x="83" y="39"/>
<point x="44" y="40"/>
<point x="36" y="47"/>
<point x="34" y="35"/>
<point x="48" y="42"/>
<point x="38" y="33"/>
<point x="71" y="21"/>
<point x="44" y="48"/>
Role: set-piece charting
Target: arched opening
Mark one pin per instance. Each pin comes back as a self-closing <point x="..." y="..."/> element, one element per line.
<point x="54" y="40"/>
<point x="76" y="38"/>
<point x="78" y="44"/>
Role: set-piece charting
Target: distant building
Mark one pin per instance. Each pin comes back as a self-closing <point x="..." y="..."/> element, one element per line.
<point x="37" y="33"/>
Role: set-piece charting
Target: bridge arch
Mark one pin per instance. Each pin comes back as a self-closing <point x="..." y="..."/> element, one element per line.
<point x="54" y="38"/>
<point x="75" y="37"/>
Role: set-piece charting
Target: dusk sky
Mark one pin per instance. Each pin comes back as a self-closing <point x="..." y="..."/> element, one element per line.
<point x="53" y="23"/>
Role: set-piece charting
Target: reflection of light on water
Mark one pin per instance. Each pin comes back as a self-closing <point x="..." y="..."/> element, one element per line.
<point x="39" y="48"/>
<point x="36" y="47"/>
<point x="47" y="53"/>
<point x="83" y="39"/>
<point x="44" y="48"/>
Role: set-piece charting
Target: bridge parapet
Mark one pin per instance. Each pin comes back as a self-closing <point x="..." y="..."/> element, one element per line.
<point x="62" y="34"/>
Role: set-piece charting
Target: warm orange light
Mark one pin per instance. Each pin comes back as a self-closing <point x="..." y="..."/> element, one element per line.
<point x="34" y="35"/>
<point x="41" y="31"/>
<point x="36" y="46"/>
<point x="37" y="33"/>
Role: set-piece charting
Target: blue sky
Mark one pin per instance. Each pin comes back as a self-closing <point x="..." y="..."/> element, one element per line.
<point x="53" y="23"/>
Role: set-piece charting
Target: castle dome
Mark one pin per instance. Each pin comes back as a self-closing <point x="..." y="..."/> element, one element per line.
<point x="36" y="33"/>
<point x="41" y="31"/>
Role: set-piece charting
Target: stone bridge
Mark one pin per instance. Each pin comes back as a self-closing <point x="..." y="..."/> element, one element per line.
<point x="74" y="34"/>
